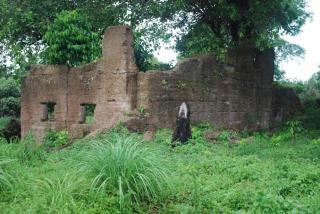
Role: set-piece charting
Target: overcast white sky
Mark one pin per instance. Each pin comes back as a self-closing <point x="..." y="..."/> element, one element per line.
<point x="309" y="39"/>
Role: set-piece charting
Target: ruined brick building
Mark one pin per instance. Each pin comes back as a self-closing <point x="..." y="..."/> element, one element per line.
<point x="236" y="93"/>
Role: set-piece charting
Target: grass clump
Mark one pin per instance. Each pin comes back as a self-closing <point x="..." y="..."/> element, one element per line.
<point x="5" y="177"/>
<point x="119" y="174"/>
<point x="59" y="192"/>
<point x="29" y="151"/>
<point x="121" y="165"/>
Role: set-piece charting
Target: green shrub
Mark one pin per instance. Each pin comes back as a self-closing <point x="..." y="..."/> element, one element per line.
<point x="197" y="135"/>
<point x="280" y="138"/>
<point x="268" y="203"/>
<point x="311" y="115"/>
<point x="144" y="58"/>
<point x="227" y="136"/>
<point x="315" y="141"/>
<point x="4" y="121"/>
<point x="289" y="132"/>
<point x="70" y="40"/>
<point x="294" y="127"/>
<point x="121" y="165"/>
<point x="224" y="136"/>
<point x="309" y="94"/>
<point x="55" y="139"/>
<point x="9" y="97"/>
<point x="197" y="132"/>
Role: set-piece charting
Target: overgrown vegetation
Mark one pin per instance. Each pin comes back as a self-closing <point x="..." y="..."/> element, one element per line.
<point x="119" y="164"/>
<point x="309" y="94"/>
<point x="5" y="178"/>
<point x="9" y="97"/>
<point x="4" y="121"/>
<point x="70" y="40"/>
<point x="29" y="152"/>
<point x="115" y="173"/>
<point x="55" y="139"/>
<point x="206" y="26"/>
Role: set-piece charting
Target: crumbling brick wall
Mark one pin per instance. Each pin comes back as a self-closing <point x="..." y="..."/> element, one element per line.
<point x="109" y="83"/>
<point x="236" y="93"/>
<point x="285" y="103"/>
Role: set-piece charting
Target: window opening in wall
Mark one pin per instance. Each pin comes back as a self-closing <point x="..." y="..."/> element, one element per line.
<point x="48" y="111"/>
<point x="87" y="113"/>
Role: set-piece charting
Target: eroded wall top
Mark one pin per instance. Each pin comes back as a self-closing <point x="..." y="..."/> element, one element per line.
<point x="236" y="93"/>
<point x="109" y="84"/>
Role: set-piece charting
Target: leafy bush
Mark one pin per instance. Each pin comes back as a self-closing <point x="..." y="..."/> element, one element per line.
<point x="70" y="40"/>
<point x="309" y="94"/>
<point x="311" y="88"/>
<point x="268" y="203"/>
<point x="121" y="165"/>
<point x="144" y="58"/>
<point x="224" y="136"/>
<point x="290" y="132"/>
<point x="142" y="53"/>
<point x="197" y="132"/>
<point x="315" y="141"/>
<point x="4" y="121"/>
<point x="227" y="136"/>
<point x="294" y="128"/>
<point x="12" y="130"/>
<point x="9" y="97"/>
<point x="311" y="114"/>
<point x="55" y="139"/>
<point x="280" y="138"/>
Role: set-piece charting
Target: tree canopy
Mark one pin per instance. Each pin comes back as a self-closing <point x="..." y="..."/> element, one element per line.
<point x="23" y="24"/>
<point x="70" y="40"/>
<point x="9" y="97"/>
<point x="236" y="22"/>
<point x="199" y="26"/>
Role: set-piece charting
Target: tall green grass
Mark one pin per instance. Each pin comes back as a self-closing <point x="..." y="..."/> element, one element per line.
<point x="61" y="191"/>
<point x="121" y="164"/>
<point x="115" y="173"/>
<point x="29" y="151"/>
<point x="5" y="177"/>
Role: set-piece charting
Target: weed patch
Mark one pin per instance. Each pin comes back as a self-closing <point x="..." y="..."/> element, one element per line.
<point x="117" y="173"/>
<point x="29" y="151"/>
<point x="5" y="177"/>
<point x="121" y="165"/>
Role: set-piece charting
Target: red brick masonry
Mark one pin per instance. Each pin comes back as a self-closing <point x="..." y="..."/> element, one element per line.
<point x="235" y="94"/>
